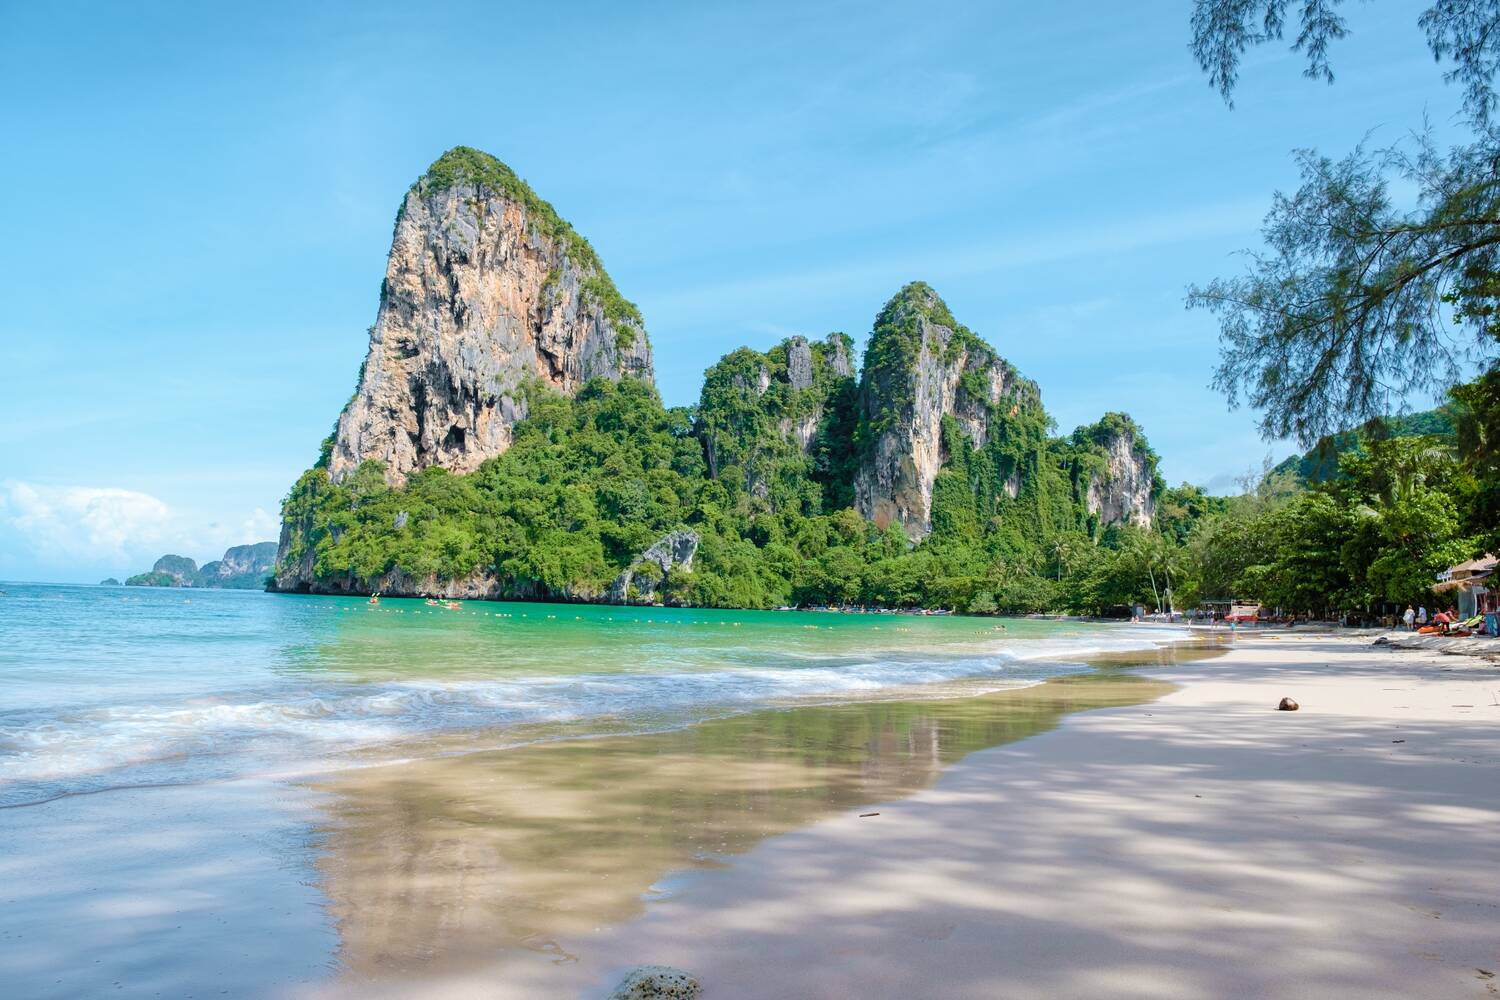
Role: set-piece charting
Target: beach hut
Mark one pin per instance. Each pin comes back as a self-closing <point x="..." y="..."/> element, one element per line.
<point x="1471" y="580"/>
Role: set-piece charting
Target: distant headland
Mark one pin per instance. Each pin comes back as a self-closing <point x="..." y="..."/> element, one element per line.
<point x="242" y="567"/>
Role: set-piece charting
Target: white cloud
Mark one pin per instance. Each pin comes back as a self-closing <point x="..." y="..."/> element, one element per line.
<point x="83" y="520"/>
<point x="76" y="527"/>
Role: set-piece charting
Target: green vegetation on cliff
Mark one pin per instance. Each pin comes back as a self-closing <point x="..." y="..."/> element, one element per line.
<point x="913" y="314"/>
<point x="752" y="417"/>
<point x="153" y="579"/>
<point x="762" y="470"/>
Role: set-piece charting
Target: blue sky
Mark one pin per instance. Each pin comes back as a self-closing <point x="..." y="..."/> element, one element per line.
<point x="198" y="201"/>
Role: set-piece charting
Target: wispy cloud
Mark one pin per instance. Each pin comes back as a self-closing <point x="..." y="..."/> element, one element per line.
<point x="1011" y="253"/>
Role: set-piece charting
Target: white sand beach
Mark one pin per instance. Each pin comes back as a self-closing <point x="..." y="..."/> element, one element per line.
<point x="1201" y="846"/>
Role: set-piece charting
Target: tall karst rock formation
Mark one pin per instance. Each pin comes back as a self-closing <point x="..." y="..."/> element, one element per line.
<point x="780" y="418"/>
<point x="486" y="287"/>
<point x="923" y="368"/>
<point x="489" y="298"/>
<point x="937" y="405"/>
<point x="1114" y="472"/>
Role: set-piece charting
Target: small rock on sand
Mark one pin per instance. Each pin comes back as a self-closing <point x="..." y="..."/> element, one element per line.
<point x="650" y="982"/>
<point x="1287" y="705"/>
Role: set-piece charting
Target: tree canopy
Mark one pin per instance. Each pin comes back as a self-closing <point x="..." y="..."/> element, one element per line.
<point x="1460" y="32"/>
<point x="1360" y="303"/>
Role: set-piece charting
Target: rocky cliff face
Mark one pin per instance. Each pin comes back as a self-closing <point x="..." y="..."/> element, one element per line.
<point x="760" y="414"/>
<point x="489" y="298"/>
<point x="921" y="367"/>
<point x="642" y="581"/>
<point x="485" y="289"/>
<point x="1119" y="484"/>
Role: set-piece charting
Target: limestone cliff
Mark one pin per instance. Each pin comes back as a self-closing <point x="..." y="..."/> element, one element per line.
<point x="485" y="289"/>
<point x="1115" y="472"/>
<point x="787" y="412"/>
<point x="494" y="312"/>
<point x="644" y="579"/>
<point x="921" y="367"/>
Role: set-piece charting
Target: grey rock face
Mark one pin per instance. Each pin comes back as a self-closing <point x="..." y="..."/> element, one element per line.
<point x="476" y="301"/>
<point x="674" y="550"/>
<point x="802" y="430"/>
<point x="799" y="363"/>
<point x="950" y="374"/>
<point x="243" y="567"/>
<point x="1125" y="493"/>
<point x="839" y="360"/>
<point x="299" y="575"/>
<point x="656" y="982"/>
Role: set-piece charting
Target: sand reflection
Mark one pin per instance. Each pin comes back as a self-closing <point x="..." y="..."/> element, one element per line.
<point x="449" y="863"/>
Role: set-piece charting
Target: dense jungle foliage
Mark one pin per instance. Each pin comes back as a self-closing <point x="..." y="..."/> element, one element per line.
<point x="591" y="481"/>
<point x="763" y="469"/>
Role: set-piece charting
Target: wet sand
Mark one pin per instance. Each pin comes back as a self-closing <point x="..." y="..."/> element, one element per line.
<point x="1202" y="846"/>
<point x="512" y="864"/>
<point x="180" y="891"/>
<point x="1199" y="846"/>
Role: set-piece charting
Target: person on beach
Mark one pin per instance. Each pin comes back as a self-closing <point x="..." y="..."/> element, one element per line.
<point x="1421" y="615"/>
<point x="1409" y="618"/>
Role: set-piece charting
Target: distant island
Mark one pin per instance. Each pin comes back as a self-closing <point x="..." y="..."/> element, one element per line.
<point x="243" y="567"/>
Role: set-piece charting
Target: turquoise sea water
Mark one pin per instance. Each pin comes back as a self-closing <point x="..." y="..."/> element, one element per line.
<point x="182" y="811"/>
<point x="109" y="687"/>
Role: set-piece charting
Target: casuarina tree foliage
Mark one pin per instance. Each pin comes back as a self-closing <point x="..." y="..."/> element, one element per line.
<point x="1358" y="303"/>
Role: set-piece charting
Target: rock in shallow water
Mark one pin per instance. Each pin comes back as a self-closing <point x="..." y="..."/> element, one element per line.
<point x="650" y="982"/>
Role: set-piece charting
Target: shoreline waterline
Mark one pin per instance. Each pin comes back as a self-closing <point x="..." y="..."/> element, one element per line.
<point x="108" y="688"/>
<point x="1202" y="845"/>
<point x="521" y="837"/>
<point x="462" y="743"/>
<point x="518" y="858"/>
